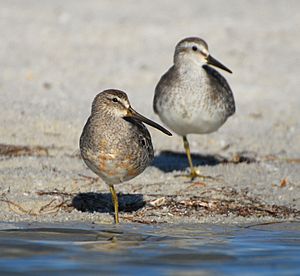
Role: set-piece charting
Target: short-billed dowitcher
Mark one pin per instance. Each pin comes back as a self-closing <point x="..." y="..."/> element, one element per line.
<point x="192" y="97"/>
<point x="114" y="143"/>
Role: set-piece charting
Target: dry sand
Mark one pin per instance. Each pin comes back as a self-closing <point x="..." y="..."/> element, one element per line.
<point x="57" y="55"/>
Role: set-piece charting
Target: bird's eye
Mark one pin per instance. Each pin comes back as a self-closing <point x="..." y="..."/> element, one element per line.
<point x="115" y="100"/>
<point x="194" y="48"/>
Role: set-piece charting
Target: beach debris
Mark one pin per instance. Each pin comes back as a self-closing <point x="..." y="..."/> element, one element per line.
<point x="215" y="201"/>
<point x="272" y="157"/>
<point x="18" y="150"/>
<point x="60" y="202"/>
<point x="89" y="179"/>
<point x="283" y="182"/>
<point x="242" y="157"/>
<point x="224" y="201"/>
<point x="158" y="202"/>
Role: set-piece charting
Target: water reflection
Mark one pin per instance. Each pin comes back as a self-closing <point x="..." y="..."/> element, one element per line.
<point x="168" y="249"/>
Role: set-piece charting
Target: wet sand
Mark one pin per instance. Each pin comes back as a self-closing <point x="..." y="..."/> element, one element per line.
<point x="55" y="57"/>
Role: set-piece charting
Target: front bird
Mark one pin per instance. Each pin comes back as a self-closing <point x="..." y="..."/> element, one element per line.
<point x="115" y="144"/>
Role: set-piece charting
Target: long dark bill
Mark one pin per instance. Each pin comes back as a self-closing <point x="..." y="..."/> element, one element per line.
<point x="133" y="114"/>
<point x="214" y="62"/>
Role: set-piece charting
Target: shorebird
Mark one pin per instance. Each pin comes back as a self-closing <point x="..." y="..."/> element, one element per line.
<point x="114" y="142"/>
<point x="192" y="97"/>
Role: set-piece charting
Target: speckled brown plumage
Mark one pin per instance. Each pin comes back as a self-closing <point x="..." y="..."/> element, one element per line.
<point x="115" y="148"/>
<point x="114" y="143"/>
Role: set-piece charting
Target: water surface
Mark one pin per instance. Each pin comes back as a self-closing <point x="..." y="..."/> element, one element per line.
<point x="195" y="249"/>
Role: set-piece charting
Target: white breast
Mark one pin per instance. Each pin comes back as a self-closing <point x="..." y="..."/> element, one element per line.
<point x="186" y="107"/>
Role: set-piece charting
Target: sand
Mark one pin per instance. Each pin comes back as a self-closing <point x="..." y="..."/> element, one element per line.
<point x="56" y="56"/>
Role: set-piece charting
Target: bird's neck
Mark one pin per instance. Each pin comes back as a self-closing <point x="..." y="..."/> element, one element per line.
<point x="186" y="65"/>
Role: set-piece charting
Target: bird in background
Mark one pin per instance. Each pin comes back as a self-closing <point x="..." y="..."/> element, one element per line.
<point x="192" y="97"/>
<point x="115" y="144"/>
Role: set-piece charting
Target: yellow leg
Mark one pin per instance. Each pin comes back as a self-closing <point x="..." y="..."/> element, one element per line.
<point x="115" y="202"/>
<point x="186" y="145"/>
<point x="194" y="173"/>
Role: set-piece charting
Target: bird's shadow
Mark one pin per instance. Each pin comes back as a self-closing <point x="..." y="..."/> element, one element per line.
<point x="102" y="202"/>
<point x="168" y="161"/>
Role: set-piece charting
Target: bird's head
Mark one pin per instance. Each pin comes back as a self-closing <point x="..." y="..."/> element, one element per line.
<point x="194" y="49"/>
<point x="115" y="103"/>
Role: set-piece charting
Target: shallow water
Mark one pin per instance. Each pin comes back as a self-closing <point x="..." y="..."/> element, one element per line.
<point x="161" y="249"/>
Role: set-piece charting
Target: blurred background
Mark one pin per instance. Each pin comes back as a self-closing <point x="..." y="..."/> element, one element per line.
<point x="57" y="55"/>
